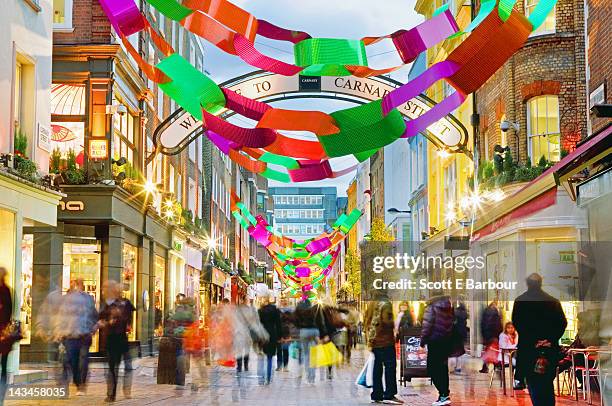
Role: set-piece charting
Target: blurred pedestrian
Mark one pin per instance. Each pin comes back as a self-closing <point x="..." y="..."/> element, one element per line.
<point x="305" y="321"/>
<point x="79" y="318"/>
<point x="6" y="315"/>
<point x="270" y="318"/>
<point x="282" y="352"/>
<point x="540" y="321"/>
<point x="461" y="329"/>
<point x="179" y="320"/>
<point x="437" y="332"/>
<point x="380" y="326"/>
<point x="490" y="328"/>
<point x="352" y="325"/>
<point x="116" y="317"/>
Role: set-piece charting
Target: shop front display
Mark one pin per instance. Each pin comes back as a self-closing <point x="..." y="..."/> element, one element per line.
<point x="27" y="262"/>
<point x="158" y="295"/>
<point x="82" y="261"/>
<point x="128" y="281"/>
<point x="217" y="286"/>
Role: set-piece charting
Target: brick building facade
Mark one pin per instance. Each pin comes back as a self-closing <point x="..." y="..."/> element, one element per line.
<point x="541" y="89"/>
<point x="599" y="59"/>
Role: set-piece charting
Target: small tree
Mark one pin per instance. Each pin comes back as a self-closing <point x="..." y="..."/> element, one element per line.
<point x="380" y="231"/>
<point x="352" y="266"/>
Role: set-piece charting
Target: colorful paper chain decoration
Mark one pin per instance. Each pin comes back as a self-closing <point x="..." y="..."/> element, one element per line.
<point x="302" y="266"/>
<point x="359" y="131"/>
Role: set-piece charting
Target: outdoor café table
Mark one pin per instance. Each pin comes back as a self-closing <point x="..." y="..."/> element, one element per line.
<point x="586" y="384"/>
<point x="510" y="352"/>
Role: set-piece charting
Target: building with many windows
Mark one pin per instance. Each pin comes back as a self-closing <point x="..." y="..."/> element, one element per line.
<point x="25" y="71"/>
<point x="128" y="214"/>
<point x="523" y="120"/>
<point x="303" y="212"/>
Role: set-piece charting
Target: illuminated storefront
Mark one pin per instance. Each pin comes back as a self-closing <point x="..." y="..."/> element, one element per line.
<point x="159" y="283"/>
<point x="21" y="206"/>
<point x="128" y="280"/>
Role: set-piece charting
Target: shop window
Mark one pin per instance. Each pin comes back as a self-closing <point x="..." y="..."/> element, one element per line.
<point x="62" y="14"/>
<point x="24" y="94"/>
<point x="18" y="95"/>
<point x="82" y="261"/>
<point x="158" y="295"/>
<point x="543" y="128"/>
<point x="549" y="24"/>
<point x="67" y="125"/>
<point x="27" y="261"/>
<point x="128" y="281"/>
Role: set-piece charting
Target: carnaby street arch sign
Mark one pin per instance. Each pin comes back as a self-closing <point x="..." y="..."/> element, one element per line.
<point x="181" y="128"/>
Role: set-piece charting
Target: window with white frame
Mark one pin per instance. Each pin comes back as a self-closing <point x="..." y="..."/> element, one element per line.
<point x="62" y="14"/>
<point x="124" y="134"/>
<point x="549" y="24"/>
<point x="543" y="128"/>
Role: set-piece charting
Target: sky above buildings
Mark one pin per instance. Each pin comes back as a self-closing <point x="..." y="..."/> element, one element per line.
<point x="352" y="19"/>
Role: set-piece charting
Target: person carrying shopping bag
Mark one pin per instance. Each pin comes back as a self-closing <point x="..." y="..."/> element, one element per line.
<point x="380" y="325"/>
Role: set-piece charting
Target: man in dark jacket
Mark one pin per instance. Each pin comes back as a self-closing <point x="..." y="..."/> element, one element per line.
<point x="540" y="322"/>
<point x="437" y="335"/>
<point x="380" y="325"/>
<point x="270" y="318"/>
<point x="490" y="328"/>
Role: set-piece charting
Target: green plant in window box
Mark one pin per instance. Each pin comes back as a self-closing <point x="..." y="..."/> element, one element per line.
<point x="55" y="161"/>
<point x="73" y="175"/>
<point x="26" y="168"/>
<point x="20" y="143"/>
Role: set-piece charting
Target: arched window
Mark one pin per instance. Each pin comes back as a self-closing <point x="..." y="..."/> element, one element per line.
<point x="543" y="128"/>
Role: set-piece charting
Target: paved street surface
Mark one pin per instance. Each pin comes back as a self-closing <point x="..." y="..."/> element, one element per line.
<point x="469" y="388"/>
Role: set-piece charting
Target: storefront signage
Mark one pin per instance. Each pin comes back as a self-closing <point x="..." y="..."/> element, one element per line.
<point x="310" y="83"/>
<point x="98" y="149"/>
<point x="44" y="138"/>
<point x="567" y="257"/>
<point x="177" y="244"/>
<point x="218" y="277"/>
<point x="72" y="205"/>
<point x="176" y="132"/>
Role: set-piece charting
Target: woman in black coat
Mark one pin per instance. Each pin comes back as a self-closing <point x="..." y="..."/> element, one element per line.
<point x="6" y="313"/>
<point x="270" y="318"/>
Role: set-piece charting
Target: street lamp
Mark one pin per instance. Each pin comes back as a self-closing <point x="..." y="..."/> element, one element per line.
<point x="393" y="210"/>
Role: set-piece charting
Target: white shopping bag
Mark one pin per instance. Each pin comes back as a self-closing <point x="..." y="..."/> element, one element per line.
<point x="366" y="376"/>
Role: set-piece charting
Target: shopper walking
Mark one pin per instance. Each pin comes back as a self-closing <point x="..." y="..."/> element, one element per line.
<point x="490" y="328"/>
<point x="540" y="321"/>
<point x="461" y="329"/>
<point x="115" y="319"/>
<point x="282" y="351"/>
<point x="270" y="318"/>
<point x="309" y="335"/>
<point x="437" y="333"/>
<point x="380" y="326"/>
<point x="79" y="318"/>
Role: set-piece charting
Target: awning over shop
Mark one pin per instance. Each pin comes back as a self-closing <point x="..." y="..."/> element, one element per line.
<point x="541" y="202"/>
<point x="34" y="203"/>
<point x="567" y="171"/>
<point x="540" y="192"/>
